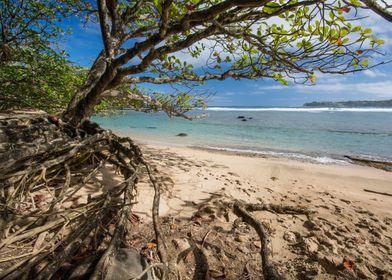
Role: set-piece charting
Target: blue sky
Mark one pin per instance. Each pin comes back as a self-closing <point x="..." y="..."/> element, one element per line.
<point x="375" y="84"/>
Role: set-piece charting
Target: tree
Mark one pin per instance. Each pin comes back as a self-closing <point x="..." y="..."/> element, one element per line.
<point x="243" y="39"/>
<point x="39" y="80"/>
<point x="34" y="72"/>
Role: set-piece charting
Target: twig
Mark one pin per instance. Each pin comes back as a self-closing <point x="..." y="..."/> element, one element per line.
<point x="205" y="238"/>
<point x="376" y="192"/>
<point x="151" y="266"/>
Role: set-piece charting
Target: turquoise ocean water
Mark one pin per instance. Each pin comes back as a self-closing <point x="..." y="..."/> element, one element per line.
<point x="322" y="134"/>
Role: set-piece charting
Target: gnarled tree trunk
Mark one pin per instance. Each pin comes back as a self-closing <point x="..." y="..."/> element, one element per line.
<point x="99" y="79"/>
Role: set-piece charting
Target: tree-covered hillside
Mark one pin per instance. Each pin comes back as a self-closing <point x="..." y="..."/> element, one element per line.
<point x="351" y="104"/>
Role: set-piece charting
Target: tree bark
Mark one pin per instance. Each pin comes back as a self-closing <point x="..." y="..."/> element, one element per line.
<point x="99" y="79"/>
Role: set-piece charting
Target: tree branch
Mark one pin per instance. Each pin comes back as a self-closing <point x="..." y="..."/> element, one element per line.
<point x="105" y="29"/>
<point x="378" y="9"/>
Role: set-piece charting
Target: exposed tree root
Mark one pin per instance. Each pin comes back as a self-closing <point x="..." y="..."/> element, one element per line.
<point x="42" y="182"/>
<point x="242" y="210"/>
<point x="269" y="269"/>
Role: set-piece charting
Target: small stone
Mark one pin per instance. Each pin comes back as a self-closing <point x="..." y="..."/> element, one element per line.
<point x="311" y="245"/>
<point x="241" y="238"/>
<point x="181" y="244"/>
<point x="126" y="264"/>
<point x="290" y="237"/>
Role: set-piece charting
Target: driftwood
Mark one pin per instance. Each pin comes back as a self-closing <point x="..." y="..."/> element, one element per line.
<point x="380" y="193"/>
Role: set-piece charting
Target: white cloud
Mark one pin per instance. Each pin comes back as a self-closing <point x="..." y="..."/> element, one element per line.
<point x="377" y="89"/>
<point x="374" y="73"/>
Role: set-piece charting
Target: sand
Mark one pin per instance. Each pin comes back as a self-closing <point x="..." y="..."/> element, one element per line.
<point x="349" y="223"/>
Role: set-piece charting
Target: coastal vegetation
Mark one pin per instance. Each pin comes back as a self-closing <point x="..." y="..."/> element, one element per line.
<point x="56" y="220"/>
<point x="351" y="104"/>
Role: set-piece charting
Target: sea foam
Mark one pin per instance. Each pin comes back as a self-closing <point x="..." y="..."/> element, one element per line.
<point x="290" y="155"/>
<point x="279" y="109"/>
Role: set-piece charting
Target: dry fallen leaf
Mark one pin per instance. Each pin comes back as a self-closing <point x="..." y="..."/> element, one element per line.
<point x="151" y="245"/>
<point x="134" y="218"/>
<point x="39" y="199"/>
<point x="345" y="9"/>
<point x="348" y="264"/>
<point x="257" y="243"/>
<point x="189" y="257"/>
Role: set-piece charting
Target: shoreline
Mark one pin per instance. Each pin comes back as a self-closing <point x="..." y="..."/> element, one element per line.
<point x="316" y="158"/>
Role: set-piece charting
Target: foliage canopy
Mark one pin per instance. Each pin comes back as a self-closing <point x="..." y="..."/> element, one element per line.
<point x="34" y="72"/>
<point x="144" y="43"/>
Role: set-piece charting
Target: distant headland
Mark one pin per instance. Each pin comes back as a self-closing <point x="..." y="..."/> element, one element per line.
<point x="351" y="104"/>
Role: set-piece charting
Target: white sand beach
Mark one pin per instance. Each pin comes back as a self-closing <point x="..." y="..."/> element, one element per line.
<point x="349" y="222"/>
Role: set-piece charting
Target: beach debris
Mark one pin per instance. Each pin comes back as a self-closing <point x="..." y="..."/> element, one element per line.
<point x="241" y="238"/>
<point x="134" y="219"/>
<point x="188" y="257"/>
<point x="290" y="237"/>
<point x="182" y="134"/>
<point x="376" y="192"/>
<point x="273" y="178"/>
<point x="347" y="264"/>
<point x="257" y="243"/>
<point x="151" y="245"/>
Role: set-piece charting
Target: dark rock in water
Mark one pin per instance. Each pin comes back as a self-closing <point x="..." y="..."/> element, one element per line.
<point x="241" y="117"/>
<point x="182" y="134"/>
<point x="250" y="118"/>
<point x="151" y="127"/>
<point x="244" y="120"/>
